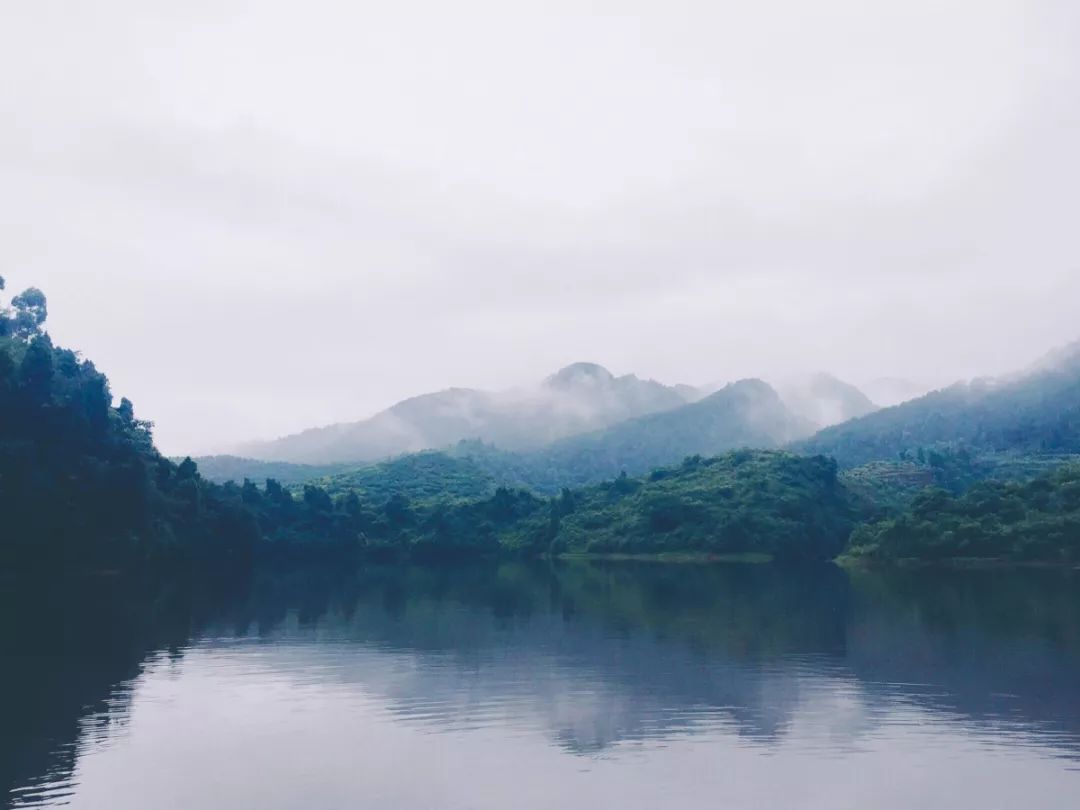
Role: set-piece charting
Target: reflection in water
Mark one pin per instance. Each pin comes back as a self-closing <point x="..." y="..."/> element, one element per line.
<point x="582" y="685"/>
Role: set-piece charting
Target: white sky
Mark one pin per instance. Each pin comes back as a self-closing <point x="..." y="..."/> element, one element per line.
<point x="259" y="217"/>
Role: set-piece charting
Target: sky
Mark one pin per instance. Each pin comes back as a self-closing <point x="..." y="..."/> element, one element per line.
<point x="260" y="217"/>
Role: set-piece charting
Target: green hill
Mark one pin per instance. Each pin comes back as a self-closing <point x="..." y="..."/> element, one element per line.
<point x="747" y="502"/>
<point x="1038" y="519"/>
<point x="418" y="477"/>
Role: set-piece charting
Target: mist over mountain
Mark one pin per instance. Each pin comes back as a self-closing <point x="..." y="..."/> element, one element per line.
<point x="888" y="391"/>
<point x="577" y="426"/>
<point x="747" y="413"/>
<point x="1036" y="410"/>
<point x="577" y="399"/>
<point x="824" y="400"/>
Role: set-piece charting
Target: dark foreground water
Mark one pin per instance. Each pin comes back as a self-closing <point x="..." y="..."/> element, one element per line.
<point x="573" y="686"/>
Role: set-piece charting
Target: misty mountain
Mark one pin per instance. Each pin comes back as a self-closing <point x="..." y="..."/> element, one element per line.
<point x="577" y="399"/>
<point x="747" y="413"/>
<point x="744" y="414"/>
<point x="1033" y="411"/>
<point x="824" y="400"/>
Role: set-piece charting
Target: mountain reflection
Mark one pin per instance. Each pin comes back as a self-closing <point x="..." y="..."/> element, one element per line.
<point x="589" y="655"/>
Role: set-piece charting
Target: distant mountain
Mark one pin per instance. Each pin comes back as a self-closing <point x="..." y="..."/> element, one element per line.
<point x="745" y="414"/>
<point x="1034" y="411"/>
<point x="824" y="400"/>
<point x="577" y="399"/>
<point x="748" y="413"/>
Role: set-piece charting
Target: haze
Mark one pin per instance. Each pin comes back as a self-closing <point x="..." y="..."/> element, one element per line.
<point x="261" y="217"/>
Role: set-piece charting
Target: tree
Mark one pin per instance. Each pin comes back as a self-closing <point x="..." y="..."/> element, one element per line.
<point x="126" y="411"/>
<point x="317" y="499"/>
<point x="30" y="313"/>
<point x="36" y="369"/>
<point x="5" y="322"/>
<point x="187" y="470"/>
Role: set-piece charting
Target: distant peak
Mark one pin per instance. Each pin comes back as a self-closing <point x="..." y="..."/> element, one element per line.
<point x="751" y="384"/>
<point x="1063" y="358"/>
<point x="747" y="387"/>
<point x="577" y="373"/>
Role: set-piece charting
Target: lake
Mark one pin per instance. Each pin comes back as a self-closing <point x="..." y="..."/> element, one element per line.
<point x="570" y="685"/>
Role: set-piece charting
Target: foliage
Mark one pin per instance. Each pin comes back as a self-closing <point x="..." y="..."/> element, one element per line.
<point x="420" y="477"/>
<point x="81" y="484"/>
<point x="746" y="501"/>
<point x="1034" y="520"/>
<point x="221" y="469"/>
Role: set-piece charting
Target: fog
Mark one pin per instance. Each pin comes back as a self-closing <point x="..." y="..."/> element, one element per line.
<point x="261" y="217"/>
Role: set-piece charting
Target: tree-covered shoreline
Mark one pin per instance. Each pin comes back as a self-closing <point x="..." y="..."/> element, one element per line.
<point x="82" y="487"/>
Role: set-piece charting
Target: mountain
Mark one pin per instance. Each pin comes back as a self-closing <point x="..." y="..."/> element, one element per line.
<point x="1034" y="411"/>
<point x="747" y="413"/>
<point x="824" y="400"/>
<point x="579" y="398"/>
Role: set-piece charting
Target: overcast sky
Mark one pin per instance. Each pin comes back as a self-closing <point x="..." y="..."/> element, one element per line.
<point x="258" y="217"/>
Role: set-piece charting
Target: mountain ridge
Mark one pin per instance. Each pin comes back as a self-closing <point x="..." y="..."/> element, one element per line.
<point x="1035" y="410"/>
<point x="575" y="399"/>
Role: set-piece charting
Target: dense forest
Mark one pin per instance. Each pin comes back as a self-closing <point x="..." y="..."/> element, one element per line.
<point x="222" y="469"/>
<point x="83" y="487"/>
<point x="1034" y="520"/>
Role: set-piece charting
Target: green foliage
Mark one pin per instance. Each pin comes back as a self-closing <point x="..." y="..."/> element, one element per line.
<point x="81" y="484"/>
<point x="763" y="502"/>
<point x="1034" y="520"/>
<point x="747" y="501"/>
<point x="420" y="477"/>
<point x="221" y="469"/>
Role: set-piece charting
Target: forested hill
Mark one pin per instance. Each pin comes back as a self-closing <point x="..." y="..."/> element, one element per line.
<point x="82" y="486"/>
<point x="1034" y="412"/>
<point x="1035" y="520"/>
<point x="757" y="502"/>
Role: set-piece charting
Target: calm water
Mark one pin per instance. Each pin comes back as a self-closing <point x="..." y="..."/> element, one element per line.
<point x="573" y="686"/>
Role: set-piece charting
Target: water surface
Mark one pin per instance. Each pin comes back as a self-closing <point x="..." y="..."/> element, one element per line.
<point x="539" y="686"/>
